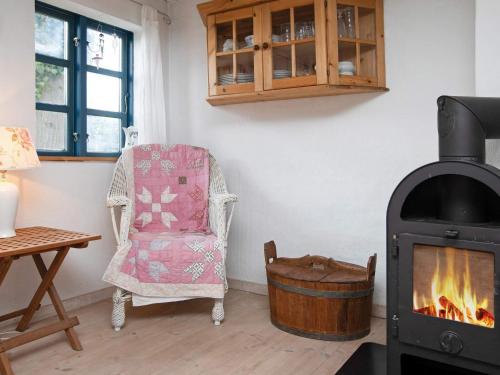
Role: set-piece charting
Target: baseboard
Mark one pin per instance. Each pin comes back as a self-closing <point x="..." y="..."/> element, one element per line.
<point x="378" y="311"/>
<point x="248" y="286"/>
<point x="47" y="311"/>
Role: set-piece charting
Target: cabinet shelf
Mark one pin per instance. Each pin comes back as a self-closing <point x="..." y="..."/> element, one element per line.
<point x="290" y="42"/>
<point x="304" y="48"/>
<point x="229" y="53"/>
<point x="361" y="41"/>
<point x="292" y="93"/>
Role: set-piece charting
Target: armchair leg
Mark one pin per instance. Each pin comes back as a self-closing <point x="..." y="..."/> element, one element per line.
<point x="218" y="311"/>
<point x="118" y="314"/>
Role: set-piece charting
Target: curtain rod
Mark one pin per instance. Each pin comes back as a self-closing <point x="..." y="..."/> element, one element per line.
<point x="167" y="17"/>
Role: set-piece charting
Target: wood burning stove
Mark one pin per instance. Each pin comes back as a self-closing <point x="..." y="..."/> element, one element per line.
<point x="443" y="260"/>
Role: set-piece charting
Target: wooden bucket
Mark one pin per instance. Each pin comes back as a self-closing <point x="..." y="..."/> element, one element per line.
<point x="319" y="298"/>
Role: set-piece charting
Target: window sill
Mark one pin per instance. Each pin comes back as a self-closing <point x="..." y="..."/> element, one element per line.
<point x="79" y="158"/>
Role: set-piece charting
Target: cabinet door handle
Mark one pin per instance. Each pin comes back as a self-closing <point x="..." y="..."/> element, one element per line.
<point x="265" y="45"/>
<point x="256" y="47"/>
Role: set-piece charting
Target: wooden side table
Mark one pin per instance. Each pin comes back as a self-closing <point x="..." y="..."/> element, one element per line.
<point x="33" y="242"/>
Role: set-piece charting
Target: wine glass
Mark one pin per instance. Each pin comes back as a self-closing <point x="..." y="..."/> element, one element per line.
<point x="341" y="29"/>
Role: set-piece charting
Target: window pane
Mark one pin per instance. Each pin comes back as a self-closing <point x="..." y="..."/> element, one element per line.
<point x="225" y="37"/>
<point x="51" y="131"/>
<point x="225" y="70"/>
<point x="282" y="62"/>
<point x="305" y="59"/>
<point x="103" y="92"/>
<point x="103" y="134"/>
<point x="51" y="83"/>
<point x="51" y="35"/>
<point x="111" y="54"/>
<point x="281" y="26"/>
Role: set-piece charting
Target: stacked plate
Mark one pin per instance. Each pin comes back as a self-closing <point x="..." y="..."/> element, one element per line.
<point x="244" y="77"/>
<point x="227" y="79"/>
<point x="281" y="73"/>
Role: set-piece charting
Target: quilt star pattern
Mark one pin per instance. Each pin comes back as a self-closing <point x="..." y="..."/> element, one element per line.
<point x="171" y="185"/>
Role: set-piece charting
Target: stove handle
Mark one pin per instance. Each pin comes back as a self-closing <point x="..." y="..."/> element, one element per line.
<point x="451" y="233"/>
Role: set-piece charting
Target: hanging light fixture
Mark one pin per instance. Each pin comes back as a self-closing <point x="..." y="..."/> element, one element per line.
<point x="97" y="51"/>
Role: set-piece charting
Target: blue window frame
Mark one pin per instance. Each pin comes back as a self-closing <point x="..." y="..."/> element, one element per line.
<point x="83" y="84"/>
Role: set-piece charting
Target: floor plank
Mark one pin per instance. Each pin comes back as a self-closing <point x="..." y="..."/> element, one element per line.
<point x="179" y="338"/>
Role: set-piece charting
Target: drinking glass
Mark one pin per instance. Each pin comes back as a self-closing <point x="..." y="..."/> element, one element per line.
<point x="308" y="29"/>
<point x="299" y="30"/>
<point x="349" y="22"/>
<point x="341" y="29"/>
<point x="285" y="32"/>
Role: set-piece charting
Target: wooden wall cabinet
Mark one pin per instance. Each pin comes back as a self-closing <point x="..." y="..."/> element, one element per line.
<point x="282" y="49"/>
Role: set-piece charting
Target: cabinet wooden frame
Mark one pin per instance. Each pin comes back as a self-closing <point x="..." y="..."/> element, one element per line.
<point x="319" y="40"/>
<point x="377" y="43"/>
<point x="369" y="52"/>
<point x="254" y="13"/>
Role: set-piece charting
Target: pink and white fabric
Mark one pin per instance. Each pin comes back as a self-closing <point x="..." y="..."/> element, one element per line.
<point x="171" y="188"/>
<point x="171" y="251"/>
<point x="174" y="258"/>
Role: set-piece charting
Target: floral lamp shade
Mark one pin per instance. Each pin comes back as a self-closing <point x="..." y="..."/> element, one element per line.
<point x="16" y="149"/>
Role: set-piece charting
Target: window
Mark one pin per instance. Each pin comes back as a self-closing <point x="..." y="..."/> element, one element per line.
<point x="83" y="93"/>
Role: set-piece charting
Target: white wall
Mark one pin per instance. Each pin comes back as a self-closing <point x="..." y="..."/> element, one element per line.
<point x="66" y="195"/>
<point x="488" y="47"/>
<point x="488" y="61"/>
<point x="316" y="174"/>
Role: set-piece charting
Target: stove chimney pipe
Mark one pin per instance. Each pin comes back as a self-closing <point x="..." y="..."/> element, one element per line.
<point x="464" y="124"/>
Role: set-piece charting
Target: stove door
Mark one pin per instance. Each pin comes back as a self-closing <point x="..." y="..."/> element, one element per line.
<point x="449" y="296"/>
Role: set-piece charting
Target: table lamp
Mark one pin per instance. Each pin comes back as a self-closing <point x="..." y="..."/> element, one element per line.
<point x="16" y="152"/>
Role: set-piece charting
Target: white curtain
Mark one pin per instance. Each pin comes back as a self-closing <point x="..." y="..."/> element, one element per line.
<point x="149" y="95"/>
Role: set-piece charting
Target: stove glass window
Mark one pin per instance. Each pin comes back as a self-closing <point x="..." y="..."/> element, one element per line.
<point x="454" y="284"/>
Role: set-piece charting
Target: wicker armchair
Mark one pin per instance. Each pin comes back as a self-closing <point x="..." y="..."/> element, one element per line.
<point x="220" y="212"/>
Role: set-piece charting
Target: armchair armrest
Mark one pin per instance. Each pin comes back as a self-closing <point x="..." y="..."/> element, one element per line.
<point x="223" y="198"/>
<point x="220" y="222"/>
<point x="125" y="206"/>
<point x="117" y="200"/>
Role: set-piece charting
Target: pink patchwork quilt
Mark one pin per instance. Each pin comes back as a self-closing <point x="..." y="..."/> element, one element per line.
<point x="171" y="251"/>
<point x="181" y="258"/>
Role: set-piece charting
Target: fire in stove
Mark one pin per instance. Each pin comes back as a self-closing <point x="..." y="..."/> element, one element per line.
<point x="461" y="286"/>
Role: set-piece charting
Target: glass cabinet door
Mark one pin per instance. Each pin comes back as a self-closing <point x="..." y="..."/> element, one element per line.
<point x="354" y="50"/>
<point x="294" y="47"/>
<point x="235" y="56"/>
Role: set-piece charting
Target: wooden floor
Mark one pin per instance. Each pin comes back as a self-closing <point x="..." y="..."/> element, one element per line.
<point x="179" y="338"/>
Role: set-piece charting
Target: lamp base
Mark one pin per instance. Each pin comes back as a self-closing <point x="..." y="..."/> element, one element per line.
<point x="9" y="197"/>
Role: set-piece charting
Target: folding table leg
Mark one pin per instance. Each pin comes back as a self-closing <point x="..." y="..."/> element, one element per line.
<point x="58" y="305"/>
<point x="5" y="368"/>
<point x="42" y="289"/>
<point x="5" y="264"/>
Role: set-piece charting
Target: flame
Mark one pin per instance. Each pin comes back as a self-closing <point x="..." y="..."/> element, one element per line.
<point x="451" y="299"/>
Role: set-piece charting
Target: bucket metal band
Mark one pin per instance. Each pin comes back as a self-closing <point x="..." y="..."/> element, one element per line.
<point x="322" y="293"/>
<point x="322" y="336"/>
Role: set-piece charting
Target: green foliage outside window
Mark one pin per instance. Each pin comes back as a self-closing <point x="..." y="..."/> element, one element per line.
<point x="49" y="40"/>
<point x="45" y="76"/>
